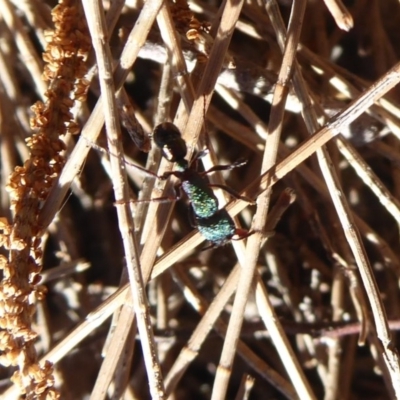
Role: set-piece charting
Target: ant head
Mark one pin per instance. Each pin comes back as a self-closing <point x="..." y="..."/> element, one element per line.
<point x="168" y="138"/>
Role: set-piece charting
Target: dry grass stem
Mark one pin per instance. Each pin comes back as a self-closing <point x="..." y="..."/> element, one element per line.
<point x="254" y="243"/>
<point x="339" y="12"/>
<point x="97" y="26"/>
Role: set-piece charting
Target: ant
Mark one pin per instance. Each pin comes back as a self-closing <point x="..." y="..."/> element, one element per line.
<point x="214" y="224"/>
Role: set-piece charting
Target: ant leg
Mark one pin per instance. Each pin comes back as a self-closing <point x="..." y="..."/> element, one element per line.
<point x="232" y="192"/>
<point x="130" y="123"/>
<point x="242" y="234"/>
<point x="163" y="199"/>
<point x="210" y="246"/>
<point x="104" y="151"/>
<point x="236" y="164"/>
<point x="201" y="154"/>
<point x="239" y="233"/>
<point x="195" y="160"/>
<point x="166" y="175"/>
<point x="192" y="218"/>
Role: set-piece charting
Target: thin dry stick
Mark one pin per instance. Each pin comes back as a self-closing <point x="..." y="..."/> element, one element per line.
<point x="217" y="56"/>
<point x="191" y="350"/>
<point x="7" y="155"/>
<point x="356" y="293"/>
<point x="114" y="358"/>
<point x="339" y="12"/>
<point x="93" y="126"/>
<point x="335" y="349"/>
<point x="151" y="246"/>
<point x="236" y="103"/>
<point x="233" y="99"/>
<point x="172" y="42"/>
<point x="369" y="234"/>
<point x="38" y="17"/>
<point x="249" y="115"/>
<point x="246" y="384"/>
<point x="254" y="243"/>
<point x="96" y="22"/>
<point x="391" y="204"/>
<point x="210" y="321"/>
<point x="25" y="46"/>
<point x="123" y="324"/>
<point x="154" y="157"/>
<point x="354" y="240"/>
<point x="163" y="111"/>
<point x="390" y="356"/>
<point x="341" y="80"/>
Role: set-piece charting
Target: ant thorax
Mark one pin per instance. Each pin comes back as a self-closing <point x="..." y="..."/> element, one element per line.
<point x="202" y="198"/>
<point x="182" y="165"/>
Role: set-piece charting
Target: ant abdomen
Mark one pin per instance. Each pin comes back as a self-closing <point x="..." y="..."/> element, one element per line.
<point x="218" y="228"/>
